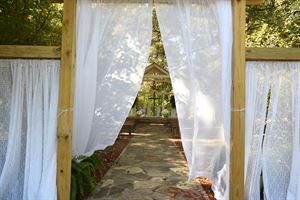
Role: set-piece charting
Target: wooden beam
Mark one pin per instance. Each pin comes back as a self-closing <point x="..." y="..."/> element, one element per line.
<point x="54" y="52"/>
<point x="56" y="1"/>
<point x="249" y="2"/>
<point x="65" y="117"/>
<point x="273" y="54"/>
<point x="254" y="2"/>
<point x="157" y="76"/>
<point x="40" y="52"/>
<point x="237" y="143"/>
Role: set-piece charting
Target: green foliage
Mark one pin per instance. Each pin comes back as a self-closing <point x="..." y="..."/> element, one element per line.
<point x="157" y="52"/>
<point x="275" y="23"/>
<point x="30" y="22"/>
<point x="83" y="175"/>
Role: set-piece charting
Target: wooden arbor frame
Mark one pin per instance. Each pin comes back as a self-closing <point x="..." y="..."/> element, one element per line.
<point x="67" y="55"/>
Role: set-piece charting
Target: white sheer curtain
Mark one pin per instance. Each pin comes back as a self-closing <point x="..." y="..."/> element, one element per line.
<point x="113" y="42"/>
<point x="13" y="141"/>
<point x="294" y="184"/>
<point x="29" y="101"/>
<point x="257" y="89"/>
<point x="276" y="153"/>
<point x="197" y="36"/>
<point x="5" y="103"/>
<point x="280" y="131"/>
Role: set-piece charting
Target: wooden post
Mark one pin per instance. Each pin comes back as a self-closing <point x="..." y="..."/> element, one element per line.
<point x="236" y="177"/>
<point x="65" y="117"/>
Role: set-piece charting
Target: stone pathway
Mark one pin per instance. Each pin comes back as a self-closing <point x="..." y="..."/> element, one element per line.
<point x="151" y="167"/>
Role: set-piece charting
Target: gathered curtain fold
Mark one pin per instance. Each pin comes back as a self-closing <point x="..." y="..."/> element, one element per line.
<point x="28" y="141"/>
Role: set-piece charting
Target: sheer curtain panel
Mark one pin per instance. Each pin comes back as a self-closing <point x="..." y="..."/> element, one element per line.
<point x="197" y="36"/>
<point x="28" y="122"/>
<point x="257" y="90"/>
<point x="282" y="132"/>
<point x="293" y="191"/>
<point x="272" y="130"/>
<point x="113" y="42"/>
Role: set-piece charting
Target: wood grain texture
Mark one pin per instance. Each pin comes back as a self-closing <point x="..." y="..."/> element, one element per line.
<point x="273" y="54"/>
<point x="39" y="52"/>
<point x="254" y="2"/>
<point x="54" y="52"/>
<point x="56" y="1"/>
<point x="249" y="2"/>
<point x="237" y="143"/>
<point x="65" y="117"/>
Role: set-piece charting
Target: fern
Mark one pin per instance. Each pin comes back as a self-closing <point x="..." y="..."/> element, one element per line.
<point x="73" y="187"/>
<point x="83" y="175"/>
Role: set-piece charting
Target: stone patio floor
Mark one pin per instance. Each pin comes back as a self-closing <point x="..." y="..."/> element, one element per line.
<point x="150" y="167"/>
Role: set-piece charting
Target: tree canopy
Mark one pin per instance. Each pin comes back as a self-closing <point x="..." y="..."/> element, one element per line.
<point x="30" y="22"/>
<point x="157" y="52"/>
<point x="275" y="23"/>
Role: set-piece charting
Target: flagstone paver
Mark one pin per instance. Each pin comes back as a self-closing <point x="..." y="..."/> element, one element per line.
<point x="151" y="167"/>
